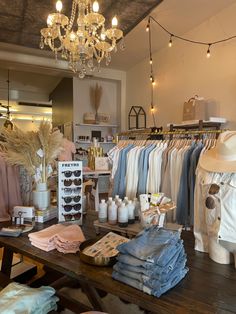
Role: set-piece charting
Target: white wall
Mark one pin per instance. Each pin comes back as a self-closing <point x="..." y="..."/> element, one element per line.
<point x="183" y="71"/>
<point x="110" y="104"/>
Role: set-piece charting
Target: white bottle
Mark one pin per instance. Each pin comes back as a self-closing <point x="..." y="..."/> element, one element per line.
<point x="117" y="197"/>
<point x="123" y="216"/>
<point x="102" y="212"/>
<point x="126" y="200"/>
<point x="137" y="208"/>
<point x="112" y="213"/>
<point x="109" y="201"/>
<point x="131" y="208"/>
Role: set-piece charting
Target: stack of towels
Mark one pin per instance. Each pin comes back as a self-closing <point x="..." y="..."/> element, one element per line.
<point x="153" y="262"/>
<point x="17" y="298"/>
<point x="64" y="238"/>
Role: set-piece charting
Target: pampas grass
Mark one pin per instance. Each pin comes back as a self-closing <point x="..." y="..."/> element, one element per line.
<point x="95" y="96"/>
<point x="24" y="148"/>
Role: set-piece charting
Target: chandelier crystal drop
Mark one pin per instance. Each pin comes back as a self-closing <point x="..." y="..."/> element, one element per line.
<point x="84" y="42"/>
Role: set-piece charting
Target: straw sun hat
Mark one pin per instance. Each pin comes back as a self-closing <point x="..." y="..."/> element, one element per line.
<point x="221" y="158"/>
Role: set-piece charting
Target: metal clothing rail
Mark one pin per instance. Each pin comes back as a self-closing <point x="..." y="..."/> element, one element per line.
<point x="177" y="132"/>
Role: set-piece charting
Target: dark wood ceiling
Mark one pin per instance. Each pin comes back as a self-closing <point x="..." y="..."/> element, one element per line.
<point x="21" y="20"/>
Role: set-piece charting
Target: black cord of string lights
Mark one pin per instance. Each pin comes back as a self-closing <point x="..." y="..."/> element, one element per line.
<point x="172" y="36"/>
<point x="152" y="80"/>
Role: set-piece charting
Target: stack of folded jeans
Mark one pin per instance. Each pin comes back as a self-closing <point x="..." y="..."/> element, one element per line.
<point x="153" y="262"/>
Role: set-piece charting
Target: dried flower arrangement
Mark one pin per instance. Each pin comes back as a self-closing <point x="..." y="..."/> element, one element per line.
<point x="35" y="151"/>
<point x="95" y="97"/>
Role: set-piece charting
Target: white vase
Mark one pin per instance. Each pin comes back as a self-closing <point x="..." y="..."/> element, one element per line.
<point x="41" y="196"/>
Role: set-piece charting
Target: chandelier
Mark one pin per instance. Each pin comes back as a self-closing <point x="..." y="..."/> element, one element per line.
<point x="85" y="44"/>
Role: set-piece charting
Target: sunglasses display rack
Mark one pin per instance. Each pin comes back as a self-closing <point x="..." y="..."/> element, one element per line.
<point x="70" y="196"/>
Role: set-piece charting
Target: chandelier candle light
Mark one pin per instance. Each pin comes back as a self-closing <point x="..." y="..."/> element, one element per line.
<point x="85" y="43"/>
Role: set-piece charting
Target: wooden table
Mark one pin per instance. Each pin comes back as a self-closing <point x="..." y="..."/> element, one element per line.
<point x="208" y="287"/>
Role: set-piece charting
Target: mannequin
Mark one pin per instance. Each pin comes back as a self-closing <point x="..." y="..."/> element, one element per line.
<point x="215" y="215"/>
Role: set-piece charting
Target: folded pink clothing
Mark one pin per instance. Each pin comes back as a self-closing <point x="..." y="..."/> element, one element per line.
<point x="58" y="244"/>
<point x="71" y="233"/>
<point x="47" y="235"/>
<point x="46" y="248"/>
<point x="67" y="251"/>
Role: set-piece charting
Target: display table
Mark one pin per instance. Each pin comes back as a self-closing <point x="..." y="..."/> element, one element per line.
<point x="129" y="231"/>
<point x="207" y="288"/>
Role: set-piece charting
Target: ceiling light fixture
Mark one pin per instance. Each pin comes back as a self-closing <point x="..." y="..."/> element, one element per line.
<point x="7" y="115"/>
<point x="85" y="43"/>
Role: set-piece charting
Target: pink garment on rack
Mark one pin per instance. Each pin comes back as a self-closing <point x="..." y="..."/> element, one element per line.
<point x="68" y="150"/>
<point x="9" y="189"/>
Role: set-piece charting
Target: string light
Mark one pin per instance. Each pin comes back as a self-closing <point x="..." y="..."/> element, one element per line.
<point x="148" y="29"/>
<point x="197" y="42"/>
<point x="208" y="51"/>
<point x="170" y="41"/>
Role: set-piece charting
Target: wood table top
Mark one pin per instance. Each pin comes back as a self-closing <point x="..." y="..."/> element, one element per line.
<point x="208" y="287"/>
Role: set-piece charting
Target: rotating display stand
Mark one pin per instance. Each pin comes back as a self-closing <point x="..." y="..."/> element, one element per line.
<point x="70" y="181"/>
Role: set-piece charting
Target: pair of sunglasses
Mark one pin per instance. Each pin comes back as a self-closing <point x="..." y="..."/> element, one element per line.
<point x="70" y="181"/>
<point x="68" y="208"/>
<point x="69" y="173"/>
<point x="69" y="199"/>
<point x="69" y="191"/>
<point x="69" y="217"/>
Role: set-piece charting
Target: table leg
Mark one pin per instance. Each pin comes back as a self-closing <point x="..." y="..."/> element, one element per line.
<point x="93" y="297"/>
<point x="7" y="262"/>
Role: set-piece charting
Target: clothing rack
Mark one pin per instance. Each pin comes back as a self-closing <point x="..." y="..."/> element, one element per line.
<point x="147" y="132"/>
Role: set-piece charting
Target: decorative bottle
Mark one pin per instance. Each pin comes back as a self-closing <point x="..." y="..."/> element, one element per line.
<point x="117" y="197"/>
<point x="123" y="216"/>
<point x="126" y="200"/>
<point x="112" y="213"/>
<point x="131" y="208"/>
<point x="109" y="201"/>
<point x="137" y="208"/>
<point x="102" y="213"/>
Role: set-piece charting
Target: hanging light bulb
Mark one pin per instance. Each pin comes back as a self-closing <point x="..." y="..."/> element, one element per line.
<point x="72" y="36"/>
<point x="152" y="107"/>
<point x="59" y="6"/>
<point x="150" y="61"/>
<point x="114" y="21"/>
<point x="151" y="78"/>
<point x="147" y="27"/>
<point x="49" y="20"/>
<point x="170" y="41"/>
<point x="95" y="7"/>
<point x="208" y="51"/>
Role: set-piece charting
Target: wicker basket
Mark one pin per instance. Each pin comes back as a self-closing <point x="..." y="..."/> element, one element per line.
<point x="89" y="118"/>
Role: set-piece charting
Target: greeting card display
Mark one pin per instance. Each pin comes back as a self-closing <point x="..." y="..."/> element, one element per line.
<point x="70" y="182"/>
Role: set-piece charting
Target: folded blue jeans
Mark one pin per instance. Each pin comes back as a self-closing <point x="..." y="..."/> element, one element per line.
<point x="143" y="275"/>
<point x="137" y="265"/>
<point x="150" y="244"/>
<point x="158" y="291"/>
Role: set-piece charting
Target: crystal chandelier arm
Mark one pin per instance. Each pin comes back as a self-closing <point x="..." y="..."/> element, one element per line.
<point x="50" y="43"/>
<point x="72" y="16"/>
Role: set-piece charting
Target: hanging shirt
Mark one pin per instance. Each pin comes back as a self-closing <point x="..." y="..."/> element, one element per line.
<point x="132" y="174"/>
<point x="182" y="210"/>
<point x="143" y="168"/>
<point x="119" y="179"/>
